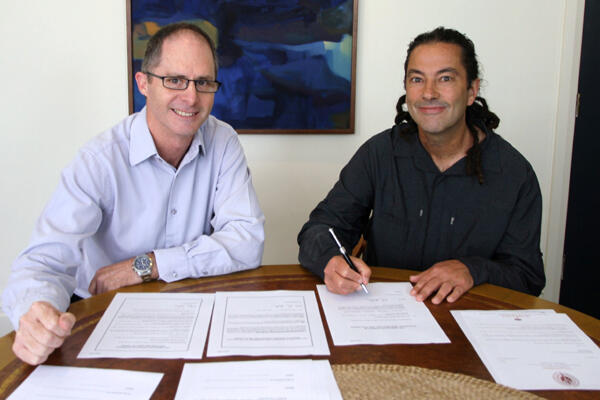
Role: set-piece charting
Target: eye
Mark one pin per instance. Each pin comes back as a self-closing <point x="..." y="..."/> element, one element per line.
<point x="445" y="78"/>
<point x="202" y="82"/>
<point x="416" y="79"/>
<point x="174" y="82"/>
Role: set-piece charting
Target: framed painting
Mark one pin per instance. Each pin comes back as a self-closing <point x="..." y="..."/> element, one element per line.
<point x="287" y="66"/>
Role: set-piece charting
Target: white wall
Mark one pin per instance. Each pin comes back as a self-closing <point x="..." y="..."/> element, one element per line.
<point x="63" y="79"/>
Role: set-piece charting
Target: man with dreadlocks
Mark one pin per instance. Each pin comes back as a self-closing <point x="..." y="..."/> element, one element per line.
<point x="439" y="192"/>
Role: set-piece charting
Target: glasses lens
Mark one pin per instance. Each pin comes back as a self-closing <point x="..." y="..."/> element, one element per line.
<point x="173" y="82"/>
<point x="203" y="85"/>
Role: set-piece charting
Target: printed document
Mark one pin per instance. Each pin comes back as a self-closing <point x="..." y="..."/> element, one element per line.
<point x="260" y="323"/>
<point x="387" y="315"/>
<point x="258" y="380"/>
<point x="152" y="325"/>
<point x="532" y="350"/>
<point x="52" y="382"/>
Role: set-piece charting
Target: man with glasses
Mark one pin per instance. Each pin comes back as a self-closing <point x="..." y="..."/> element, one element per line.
<point x="165" y="194"/>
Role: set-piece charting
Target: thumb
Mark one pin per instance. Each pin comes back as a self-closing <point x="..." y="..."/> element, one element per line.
<point x="363" y="269"/>
<point x="66" y="322"/>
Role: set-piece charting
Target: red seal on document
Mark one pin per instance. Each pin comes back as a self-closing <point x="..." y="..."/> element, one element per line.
<point x="565" y="379"/>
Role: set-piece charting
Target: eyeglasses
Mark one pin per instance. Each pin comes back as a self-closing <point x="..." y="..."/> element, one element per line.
<point x="179" y="83"/>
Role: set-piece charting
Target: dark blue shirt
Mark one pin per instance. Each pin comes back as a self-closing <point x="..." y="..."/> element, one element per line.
<point x="412" y="215"/>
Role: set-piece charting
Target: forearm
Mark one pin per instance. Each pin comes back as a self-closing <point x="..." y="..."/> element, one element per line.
<point x="338" y="211"/>
<point x="316" y="248"/>
<point x="28" y="284"/>
<point x="237" y="246"/>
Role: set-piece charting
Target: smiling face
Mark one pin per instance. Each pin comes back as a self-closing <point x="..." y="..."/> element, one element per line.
<point x="178" y="114"/>
<point x="437" y="95"/>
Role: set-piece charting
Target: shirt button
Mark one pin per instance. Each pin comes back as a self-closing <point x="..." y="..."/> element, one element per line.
<point x="174" y="274"/>
<point x="173" y="211"/>
<point x="204" y="272"/>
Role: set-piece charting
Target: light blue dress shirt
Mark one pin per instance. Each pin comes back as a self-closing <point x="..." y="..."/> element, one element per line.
<point x="119" y="199"/>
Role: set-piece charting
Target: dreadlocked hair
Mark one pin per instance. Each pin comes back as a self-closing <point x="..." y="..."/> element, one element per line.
<point x="477" y="116"/>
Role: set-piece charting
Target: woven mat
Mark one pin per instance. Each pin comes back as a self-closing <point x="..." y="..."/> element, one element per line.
<point x="384" y="381"/>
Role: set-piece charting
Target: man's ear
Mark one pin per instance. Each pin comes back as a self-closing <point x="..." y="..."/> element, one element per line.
<point x="473" y="91"/>
<point x="142" y="82"/>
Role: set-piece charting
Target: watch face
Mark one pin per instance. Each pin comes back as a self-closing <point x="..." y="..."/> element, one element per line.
<point x="142" y="264"/>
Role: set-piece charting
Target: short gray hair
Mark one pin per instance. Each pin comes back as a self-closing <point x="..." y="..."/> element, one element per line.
<point x="154" y="47"/>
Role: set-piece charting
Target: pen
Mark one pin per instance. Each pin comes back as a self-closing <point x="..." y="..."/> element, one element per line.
<point x="348" y="260"/>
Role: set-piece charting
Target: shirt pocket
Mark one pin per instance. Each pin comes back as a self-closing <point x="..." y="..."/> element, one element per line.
<point x="388" y="239"/>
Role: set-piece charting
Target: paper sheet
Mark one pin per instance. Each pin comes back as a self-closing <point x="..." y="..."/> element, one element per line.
<point x="152" y="325"/>
<point x="52" y="382"/>
<point x="266" y="323"/>
<point x="532" y="350"/>
<point x="258" y="380"/>
<point x="387" y="315"/>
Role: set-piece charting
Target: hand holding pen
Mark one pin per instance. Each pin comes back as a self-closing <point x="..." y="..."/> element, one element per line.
<point x="348" y="260"/>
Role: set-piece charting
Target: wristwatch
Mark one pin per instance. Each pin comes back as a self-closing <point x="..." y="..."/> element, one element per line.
<point x="142" y="265"/>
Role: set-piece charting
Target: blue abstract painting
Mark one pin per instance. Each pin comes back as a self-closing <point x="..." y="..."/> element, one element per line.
<point x="285" y="65"/>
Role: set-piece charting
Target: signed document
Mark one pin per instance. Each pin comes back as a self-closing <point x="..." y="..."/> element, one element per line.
<point x="387" y="315"/>
<point x="262" y="323"/>
<point x="52" y="382"/>
<point x="258" y="380"/>
<point x="532" y="350"/>
<point x="152" y="325"/>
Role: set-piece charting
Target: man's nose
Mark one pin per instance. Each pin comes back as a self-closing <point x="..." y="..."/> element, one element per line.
<point x="430" y="90"/>
<point x="190" y="94"/>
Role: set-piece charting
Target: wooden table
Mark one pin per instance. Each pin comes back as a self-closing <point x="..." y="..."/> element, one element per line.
<point x="458" y="356"/>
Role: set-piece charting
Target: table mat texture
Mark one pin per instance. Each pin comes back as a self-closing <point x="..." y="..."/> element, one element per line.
<point x="385" y="381"/>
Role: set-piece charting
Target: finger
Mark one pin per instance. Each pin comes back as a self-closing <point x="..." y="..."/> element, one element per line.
<point x="66" y="322"/>
<point x="92" y="287"/>
<point x="346" y="272"/>
<point x="25" y="355"/>
<point x="339" y="284"/>
<point x="363" y="269"/>
<point x="456" y="294"/>
<point x="424" y="289"/>
<point x="348" y="287"/>
<point x="50" y="323"/>
<point x="41" y="321"/>
<point x="339" y="278"/>
<point x="100" y="287"/>
<point x="29" y="349"/>
<point x="442" y="292"/>
<point x="419" y="276"/>
<point x="419" y="280"/>
<point x="103" y="285"/>
<point x="342" y="284"/>
<point x="34" y="343"/>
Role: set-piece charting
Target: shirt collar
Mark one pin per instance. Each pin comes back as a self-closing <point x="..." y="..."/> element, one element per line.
<point x="410" y="146"/>
<point x="142" y="144"/>
<point x="197" y="145"/>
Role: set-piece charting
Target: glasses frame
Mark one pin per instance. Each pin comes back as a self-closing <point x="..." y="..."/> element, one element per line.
<point x="187" y="82"/>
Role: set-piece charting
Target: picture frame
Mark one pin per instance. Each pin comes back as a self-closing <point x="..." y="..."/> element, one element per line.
<point x="287" y="66"/>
